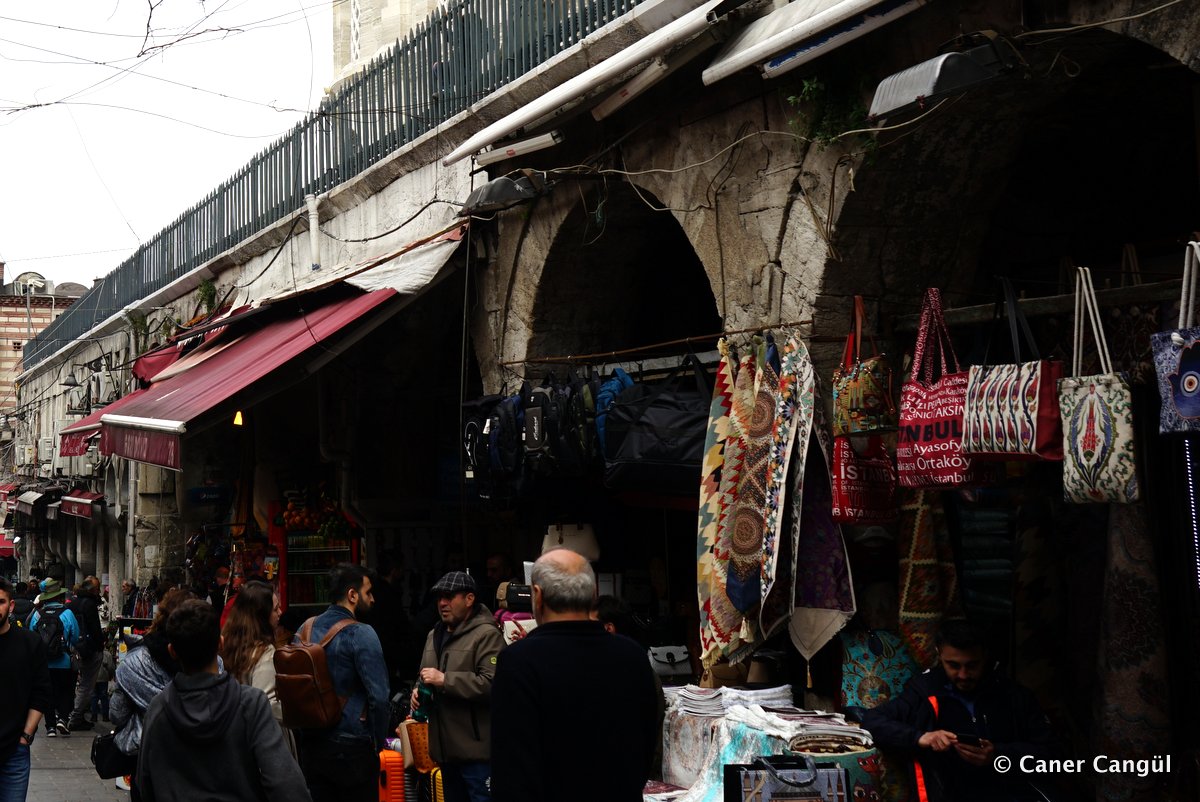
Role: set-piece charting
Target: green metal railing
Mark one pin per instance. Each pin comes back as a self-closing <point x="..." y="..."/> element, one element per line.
<point x="462" y="52"/>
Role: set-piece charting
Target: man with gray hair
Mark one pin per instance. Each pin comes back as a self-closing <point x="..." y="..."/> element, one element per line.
<point x="573" y="707"/>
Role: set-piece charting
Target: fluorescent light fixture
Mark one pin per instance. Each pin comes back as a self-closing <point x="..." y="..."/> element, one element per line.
<point x="655" y="71"/>
<point x="502" y="152"/>
<point x="947" y="74"/>
<point x="834" y="37"/>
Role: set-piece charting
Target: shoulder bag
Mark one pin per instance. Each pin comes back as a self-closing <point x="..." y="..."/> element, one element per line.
<point x="862" y="388"/>
<point x="929" y="444"/>
<point x="1177" y="359"/>
<point x="1011" y="411"/>
<point x="1099" y="458"/>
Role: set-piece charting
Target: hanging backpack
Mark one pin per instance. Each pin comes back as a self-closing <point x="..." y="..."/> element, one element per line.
<point x="605" y="396"/>
<point x="303" y="683"/>
<point x="505" y="451"/>
<point x="50" y="629"/>
<point x="476" y="466"/>
<point x="541" y="427"/>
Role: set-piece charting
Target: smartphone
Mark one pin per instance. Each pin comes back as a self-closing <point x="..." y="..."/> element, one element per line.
<point x="969" y="740"/>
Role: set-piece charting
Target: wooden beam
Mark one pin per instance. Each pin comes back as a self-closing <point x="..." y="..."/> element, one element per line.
<point x="1052" y="304"/>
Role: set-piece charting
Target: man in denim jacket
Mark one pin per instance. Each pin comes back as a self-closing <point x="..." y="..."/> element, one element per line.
<point x="341" y="764"/>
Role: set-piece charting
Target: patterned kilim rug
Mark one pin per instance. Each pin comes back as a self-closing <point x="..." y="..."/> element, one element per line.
<point x="793" y="429"/>
<point x="719" y="621"/>
<point x="928" y="579"/>
<point x="753" y="414"/>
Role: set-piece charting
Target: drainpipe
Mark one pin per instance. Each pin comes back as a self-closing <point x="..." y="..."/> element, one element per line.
<point x="314" y="231"/>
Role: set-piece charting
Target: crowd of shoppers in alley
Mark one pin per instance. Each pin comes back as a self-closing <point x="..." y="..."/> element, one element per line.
<point x="195" y="704"/>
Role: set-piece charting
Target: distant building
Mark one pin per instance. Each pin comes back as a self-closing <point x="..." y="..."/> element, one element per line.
<point x="27" y="305"/>
<point x="364" y="28"/>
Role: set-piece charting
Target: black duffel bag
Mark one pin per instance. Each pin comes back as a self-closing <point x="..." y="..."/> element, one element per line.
<point x="655" y="433"/>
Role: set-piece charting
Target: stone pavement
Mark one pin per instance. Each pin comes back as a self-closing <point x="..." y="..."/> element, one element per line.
<point x="62" y="771"/>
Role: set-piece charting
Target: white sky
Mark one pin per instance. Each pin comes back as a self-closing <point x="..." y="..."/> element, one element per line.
<point x="93" y="174"/>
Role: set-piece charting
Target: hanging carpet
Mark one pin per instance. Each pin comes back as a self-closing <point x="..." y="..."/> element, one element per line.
<point x="794" y="409"/>
<point x="928" y="579"/>
<point x="753" y="416"/>
<point x="719" y="619"/>
<point x="1135" y="721"/>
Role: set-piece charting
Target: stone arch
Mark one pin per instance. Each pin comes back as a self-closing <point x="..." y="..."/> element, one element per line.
<point x="619" y="275"/>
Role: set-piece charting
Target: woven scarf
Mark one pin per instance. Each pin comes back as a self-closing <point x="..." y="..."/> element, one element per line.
<point x="753" y="414"/>
<point x="719" y="621"/>
<point x="793" y="429"/>
<point x="928" y="579"/>
<point x="824" y="590"/>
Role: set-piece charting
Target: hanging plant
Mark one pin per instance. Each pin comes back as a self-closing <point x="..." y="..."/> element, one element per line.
<point x="827" y="110"/>
<point x="140" y="328"/>
<point x="208" y="294"/>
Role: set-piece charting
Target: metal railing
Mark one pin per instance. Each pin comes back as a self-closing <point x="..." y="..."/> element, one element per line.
<point x="462" y="52"/>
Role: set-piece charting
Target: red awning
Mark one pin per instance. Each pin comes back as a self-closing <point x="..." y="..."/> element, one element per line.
<point x="5" y="492"/>
<point x="79" y="503"/>
<point x="7" y="549"/>
<point x="148" y="428"/>
<point x="73" y="441"/>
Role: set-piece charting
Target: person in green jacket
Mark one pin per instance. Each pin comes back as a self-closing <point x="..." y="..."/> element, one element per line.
<point x="458" y="665"/>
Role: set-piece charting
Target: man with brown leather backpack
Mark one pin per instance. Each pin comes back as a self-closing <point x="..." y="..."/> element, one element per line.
<point x="340" y="708"/>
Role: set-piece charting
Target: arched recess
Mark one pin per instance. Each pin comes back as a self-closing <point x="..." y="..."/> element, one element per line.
<point x="1095" y="149"/>
<point x="618" y="275"/>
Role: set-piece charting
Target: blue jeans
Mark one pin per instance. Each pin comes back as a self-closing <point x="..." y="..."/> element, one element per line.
<point x="467" y="782"/>
<point x="14" y="774"/>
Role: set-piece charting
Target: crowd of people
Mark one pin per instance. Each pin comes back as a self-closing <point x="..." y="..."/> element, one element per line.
<point x="196" y="707"/>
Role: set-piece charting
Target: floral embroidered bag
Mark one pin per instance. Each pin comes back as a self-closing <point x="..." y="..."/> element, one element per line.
<point x="1099" y="457"/>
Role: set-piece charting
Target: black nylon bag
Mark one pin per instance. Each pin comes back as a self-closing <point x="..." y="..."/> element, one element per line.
<point x="655" y="433"/>
<point x="110" y="761"/>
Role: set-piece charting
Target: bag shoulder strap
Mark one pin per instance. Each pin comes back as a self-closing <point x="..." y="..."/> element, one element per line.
<point x="335" y="629"/>
<point x="1191" y="274"/>
<point x="1087" y="306"/>
<point x="305" y="632"/>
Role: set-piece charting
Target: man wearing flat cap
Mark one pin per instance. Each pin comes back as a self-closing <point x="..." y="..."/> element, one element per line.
<point x="458" y="665"/>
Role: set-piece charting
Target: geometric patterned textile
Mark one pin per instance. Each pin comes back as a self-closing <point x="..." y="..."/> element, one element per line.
<point x="719" y="620"/>
<point x="753" y="416"/>
<point x="928" y="579"/>
<point x="793" y="427"/>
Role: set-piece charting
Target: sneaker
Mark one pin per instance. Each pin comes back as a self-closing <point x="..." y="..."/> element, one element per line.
<point x="123" y="783"/>
<point x="50" y="733"/>
<point x="63" y="729"/>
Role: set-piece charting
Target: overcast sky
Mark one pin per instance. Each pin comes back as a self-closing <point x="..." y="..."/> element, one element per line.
<point x="134" y="128"/>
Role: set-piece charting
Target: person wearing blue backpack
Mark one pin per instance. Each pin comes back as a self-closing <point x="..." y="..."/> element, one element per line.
<point x="58" y="628"/>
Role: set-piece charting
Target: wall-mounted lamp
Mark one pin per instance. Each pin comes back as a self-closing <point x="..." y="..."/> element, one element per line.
<point x="70" y="381"/>
<point x="237" y="418"/>
<point x="502" y="152"/>
<point x="499" y="194"/>
<point x="939" y="77"/>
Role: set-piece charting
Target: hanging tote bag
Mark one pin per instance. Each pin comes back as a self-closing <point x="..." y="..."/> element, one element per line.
<point x="862" y="388"/>
<point x="1177" y="359"/>
<point x="1099" y="458"/>
<point x="928" y="448"/>
<point x="864" y="482"/>
<point x="1011" y="411"/>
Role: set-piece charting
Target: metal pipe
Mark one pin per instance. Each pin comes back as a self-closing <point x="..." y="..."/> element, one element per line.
<point x="314" y="231"/>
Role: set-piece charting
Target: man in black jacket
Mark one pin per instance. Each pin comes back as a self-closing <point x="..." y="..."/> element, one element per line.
<point x="90" y="650"/>
<point x="207" y="736"/>
<point x="957" y="719"/>
<point x="26" y="696"/>
<point x="573" y="707"/>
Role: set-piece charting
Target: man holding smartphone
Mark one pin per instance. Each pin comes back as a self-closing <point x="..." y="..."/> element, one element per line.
<point x="955" y="719"/>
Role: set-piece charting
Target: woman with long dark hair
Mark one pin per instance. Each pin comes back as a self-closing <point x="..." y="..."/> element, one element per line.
<point x="248" y="642"/>
<point x="146" y="669"/>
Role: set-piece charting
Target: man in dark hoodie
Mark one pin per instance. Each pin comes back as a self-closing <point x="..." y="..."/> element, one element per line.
<point x="90" y="650"/>
<point x="207" y="736"/>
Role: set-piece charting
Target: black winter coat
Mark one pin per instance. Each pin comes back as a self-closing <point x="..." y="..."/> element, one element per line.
<point x="1005" y="714"/>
